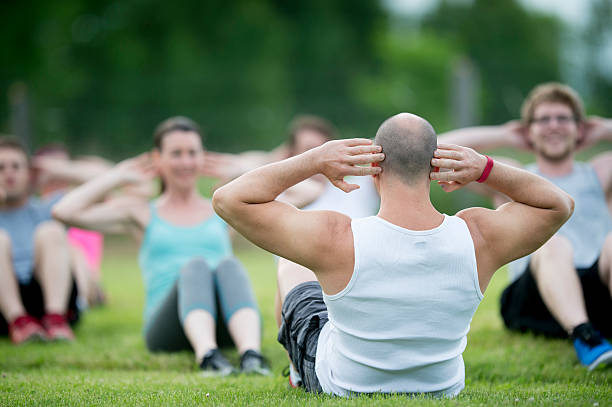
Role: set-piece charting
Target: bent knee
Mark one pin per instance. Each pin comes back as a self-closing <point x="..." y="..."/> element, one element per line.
<point x="50" y="230"/>
<point x="557" y="250"/>
<point x="607" y="246"/>
<point x="194" y="267"/>
<point x="229" y="262"/>
<point x="556" y="247"/>
<point x="605" y="260"/>
<point x="5" y="240"/>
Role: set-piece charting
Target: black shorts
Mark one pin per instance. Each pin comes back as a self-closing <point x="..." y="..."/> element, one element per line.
<point x="304" y="315"/>
<point x="522" y="307"/>
<point x="32" y="299"/>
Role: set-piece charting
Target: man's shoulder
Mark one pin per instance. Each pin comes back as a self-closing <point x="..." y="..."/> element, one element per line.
<point x="477" y="221"/>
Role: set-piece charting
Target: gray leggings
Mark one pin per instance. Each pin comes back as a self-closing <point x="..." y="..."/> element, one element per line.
<point x="199" y="287"/>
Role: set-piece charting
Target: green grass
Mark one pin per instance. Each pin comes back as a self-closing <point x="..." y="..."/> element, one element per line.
<point x="109" y="365"/>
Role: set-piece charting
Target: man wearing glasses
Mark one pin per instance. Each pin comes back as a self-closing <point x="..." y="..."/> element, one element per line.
<point x="564" y="287"/>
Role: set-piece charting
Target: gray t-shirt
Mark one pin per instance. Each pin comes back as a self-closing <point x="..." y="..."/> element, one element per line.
<point x="589" y="225"/>
<point x="20" y="224"/>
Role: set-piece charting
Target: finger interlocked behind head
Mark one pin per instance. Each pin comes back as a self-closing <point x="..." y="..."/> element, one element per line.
<point x="408" y="142"/>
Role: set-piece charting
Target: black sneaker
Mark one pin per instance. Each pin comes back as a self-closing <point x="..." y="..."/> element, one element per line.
<point x="215" y="364"/>
<point x="252" y="362"/>
<point x="591" y="348"/>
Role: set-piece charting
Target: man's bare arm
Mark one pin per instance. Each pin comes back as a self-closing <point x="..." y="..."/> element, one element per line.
<point x="538" y="208"/>
<point x="596" y="130"/>
<point x="482" y="138"/>
<point x="71" y="171"/>
<point x="304" y="193"/>
<point x="249" y="203"/>
<point x="226" y="166"/>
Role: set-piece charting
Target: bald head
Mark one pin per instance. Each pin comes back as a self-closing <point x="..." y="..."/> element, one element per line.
<point x="408" y="142"/>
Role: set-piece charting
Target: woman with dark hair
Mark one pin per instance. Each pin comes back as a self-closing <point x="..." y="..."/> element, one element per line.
<point x="190" y="273"/>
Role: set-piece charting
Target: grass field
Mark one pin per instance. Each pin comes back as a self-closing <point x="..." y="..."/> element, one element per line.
<point x="109" y="365"/>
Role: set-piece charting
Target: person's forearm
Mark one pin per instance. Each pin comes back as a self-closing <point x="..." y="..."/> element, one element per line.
<point x="479" y="138"/>
<point x="527" y="188"/>
<point x="607" y="134"/>
<point x="303" y="193"/>
<point x="264" y="184"/>
<point x="74" y="171"/>
<point x="86" y="195"/>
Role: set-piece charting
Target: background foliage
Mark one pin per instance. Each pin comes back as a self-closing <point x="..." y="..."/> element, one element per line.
<point x="99" y="75"/>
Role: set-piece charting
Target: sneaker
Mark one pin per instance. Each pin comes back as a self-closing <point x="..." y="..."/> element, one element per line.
<point x="26" y="328"/>
<point x="295" y="380"/>
<point x="252" y="362"/>
<point x="592" y="350"/>
<point x="215" y="364"/>
<point x="57" y="328"/>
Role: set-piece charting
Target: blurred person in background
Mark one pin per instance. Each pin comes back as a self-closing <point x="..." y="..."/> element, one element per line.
<point x="37" y="289"/>
<point x="305" y="132"/>
<point x="195" y="287"/>
<point x="563" y="289"/>
<point x="86" y="246"/>
<point x="315" y="193"/>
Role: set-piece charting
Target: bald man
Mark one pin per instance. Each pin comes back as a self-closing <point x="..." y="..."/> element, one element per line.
<point x="388" y="303"/>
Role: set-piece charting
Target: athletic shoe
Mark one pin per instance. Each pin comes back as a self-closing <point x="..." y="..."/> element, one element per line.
<point x="295" y="380"/>
<point x="215" y="364"/>
<point x="26" y="328"/>
<point x="252" y="362"/>
<point x="57" y="328"/>
<point x="592" y="350"/>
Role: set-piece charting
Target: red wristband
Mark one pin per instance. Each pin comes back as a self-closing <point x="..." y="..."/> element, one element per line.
<point x="487" y="170"/>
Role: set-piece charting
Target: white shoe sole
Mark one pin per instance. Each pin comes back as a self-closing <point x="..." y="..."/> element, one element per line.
<point x="605" y="357"/>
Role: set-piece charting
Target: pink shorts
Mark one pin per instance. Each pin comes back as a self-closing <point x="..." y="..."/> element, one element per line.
<point x="91" y="244"/>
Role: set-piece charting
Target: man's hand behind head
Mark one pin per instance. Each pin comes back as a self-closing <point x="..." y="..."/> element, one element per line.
<point x="340" y="158"/>
<point x="465" y="165"/>
<point x="594" y="130"/>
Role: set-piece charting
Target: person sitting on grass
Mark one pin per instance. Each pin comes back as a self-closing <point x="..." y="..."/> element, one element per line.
<point x="305" y="132"/>
<point x="37" y="290"/>
<point x="185" y="253"/>
<point x="315" y="193"/>
<point x="565" y="288"/>
<point x="389" y="301"/>
<point x="86" y="247"/>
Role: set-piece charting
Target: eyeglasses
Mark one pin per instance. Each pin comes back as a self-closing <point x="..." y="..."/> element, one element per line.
<point x="545" y="120"/>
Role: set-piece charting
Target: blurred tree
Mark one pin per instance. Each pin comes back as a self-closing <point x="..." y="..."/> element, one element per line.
<point x="512" y="49"/>
<point x="101" y="74"/>
<point x="597" y="38"/>
<point x="413" y="75"/>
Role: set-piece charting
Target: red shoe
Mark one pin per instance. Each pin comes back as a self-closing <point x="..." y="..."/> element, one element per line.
<point x="26" y="328"/>
<point x="57" y="328"/>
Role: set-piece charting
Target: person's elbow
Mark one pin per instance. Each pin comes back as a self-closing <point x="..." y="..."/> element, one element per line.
<point x="223" y="202"/>
<point x="565" y="207"/>
<point x="59" y="213"/>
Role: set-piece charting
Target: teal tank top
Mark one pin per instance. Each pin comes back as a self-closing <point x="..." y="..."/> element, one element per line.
<point x="166" y="248"/>
<point x="590" y="223"/>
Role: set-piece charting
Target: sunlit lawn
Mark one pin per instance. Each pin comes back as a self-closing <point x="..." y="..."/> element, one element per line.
<point x="109" y="365"/>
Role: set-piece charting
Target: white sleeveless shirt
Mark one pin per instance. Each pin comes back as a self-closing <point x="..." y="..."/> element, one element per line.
<point x="400" y="324"/>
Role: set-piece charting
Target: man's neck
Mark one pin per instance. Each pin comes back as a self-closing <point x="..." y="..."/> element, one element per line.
<point x="555" y="168"/>
<point x="408" y="206"/>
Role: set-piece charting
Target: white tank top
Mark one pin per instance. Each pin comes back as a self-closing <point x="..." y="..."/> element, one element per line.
<point x="357" y="204"/>
<point x="400" y="324"/>
<point x="590" y="223"/>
